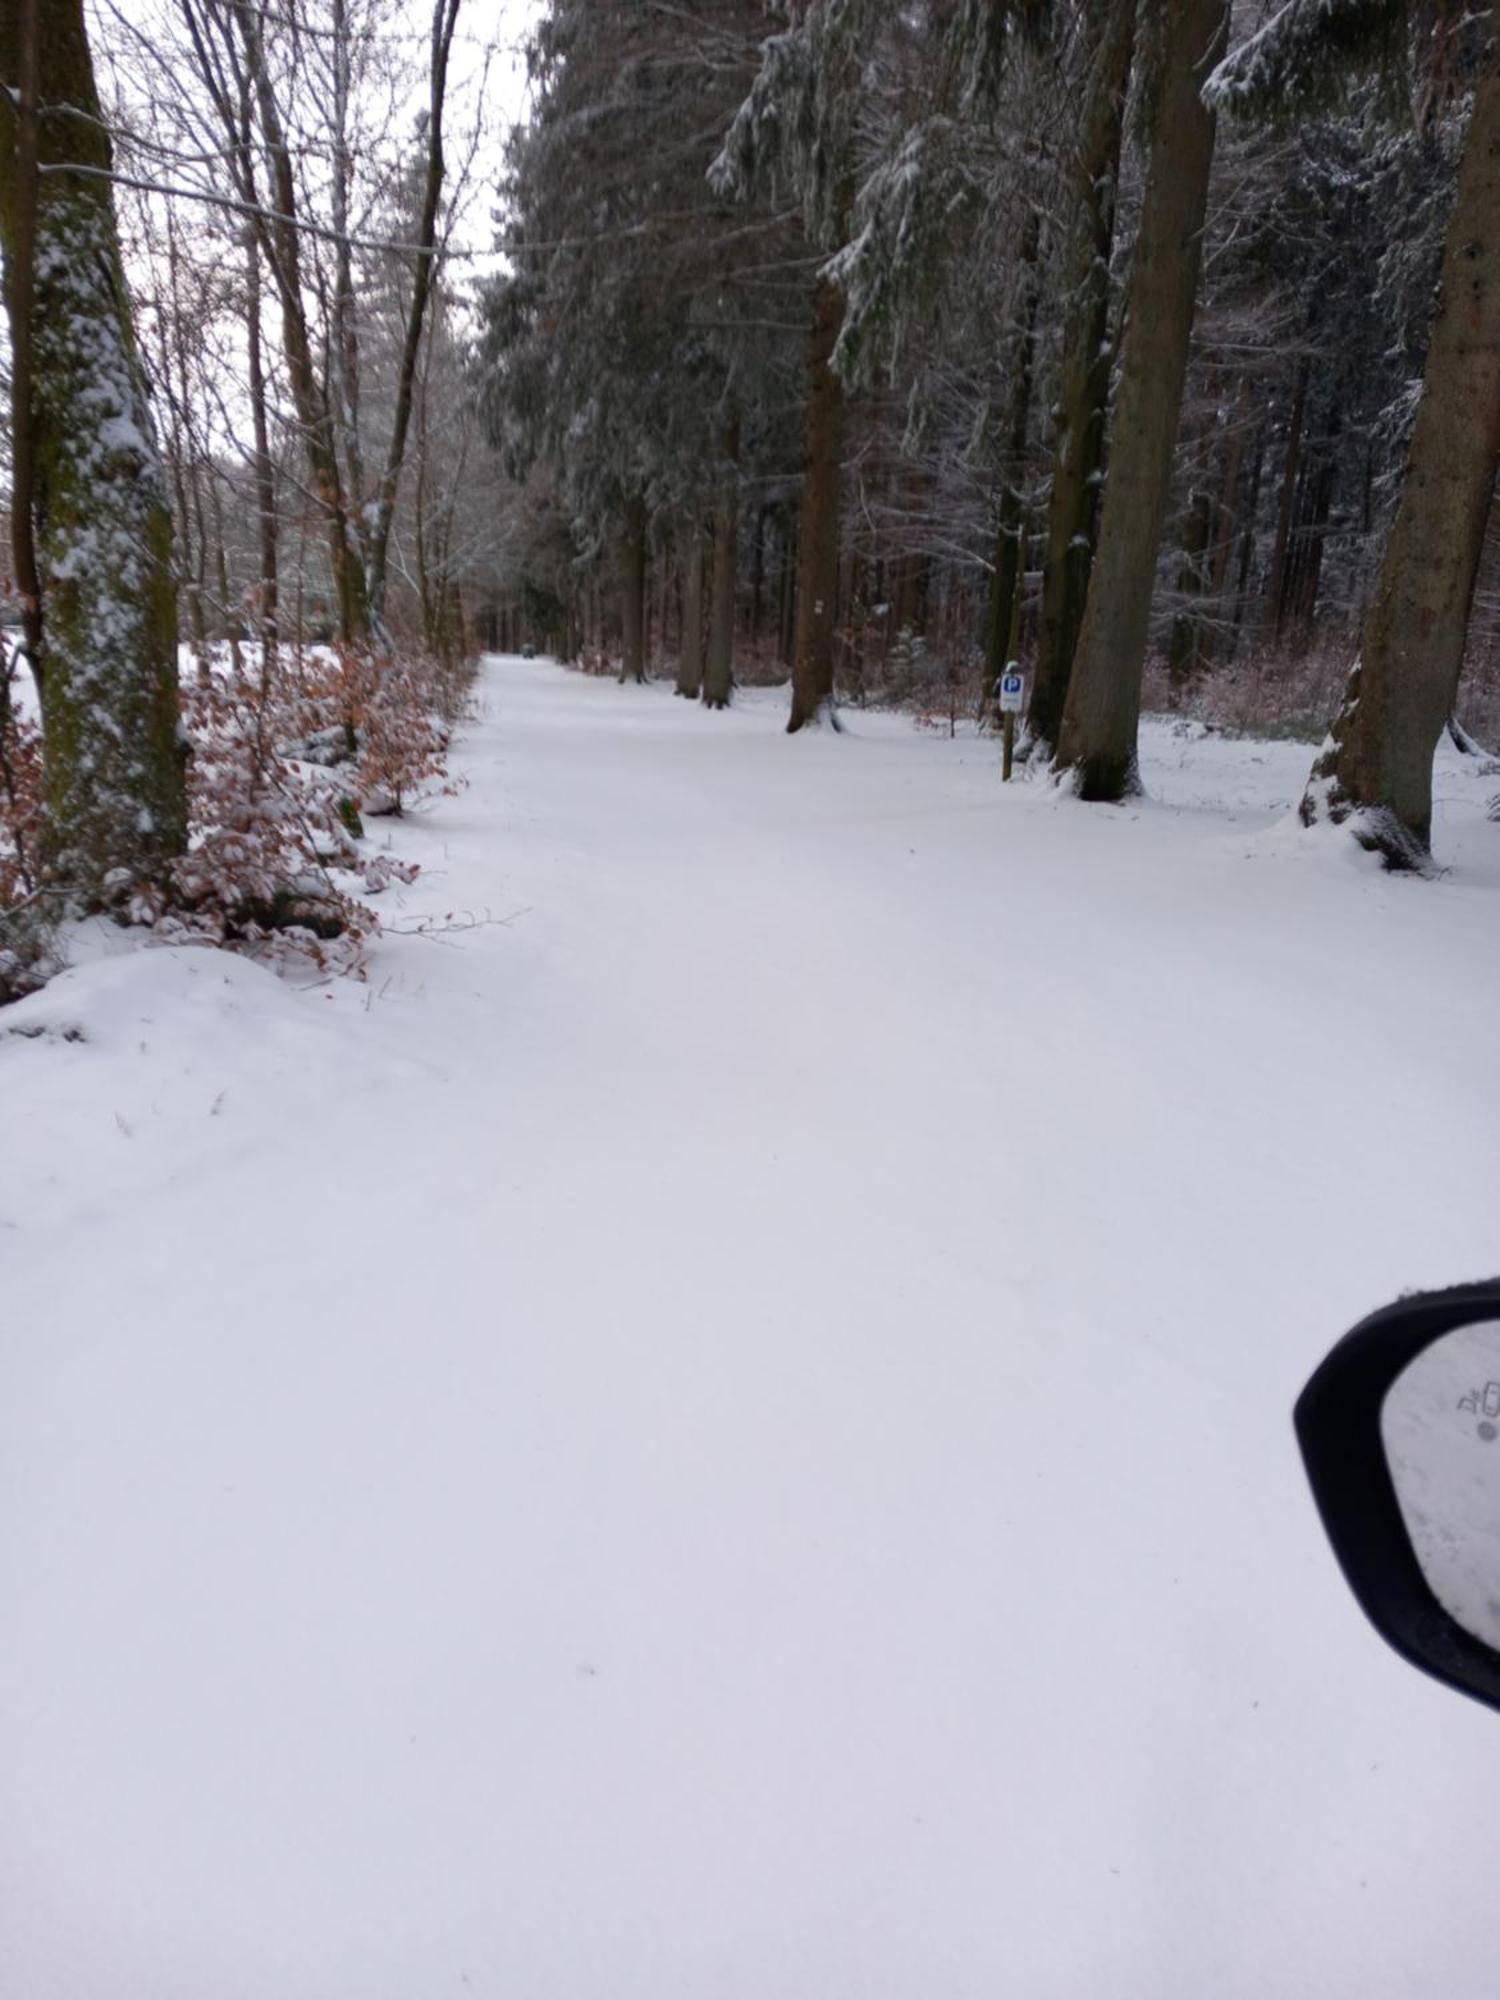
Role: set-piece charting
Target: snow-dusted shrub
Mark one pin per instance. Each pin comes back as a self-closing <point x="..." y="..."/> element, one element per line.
<point x="909" y="671"/>
<point x="450" y="689"/>
<point x="391" y="707"/>
<point x="284" y="766"/>
<point x="20" y="799"/>
<point x="27" y="918"/>
<point x="1286" y="691"/>
<point x="284" y="761"/>
<point x="271" y="858"/>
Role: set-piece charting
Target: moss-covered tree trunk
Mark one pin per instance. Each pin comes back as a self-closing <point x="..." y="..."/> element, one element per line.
<point x="1097" y="741"/>
<point x="98" y="512"/>
<point x="690" y="651"/>
<point x="1083" y="383"/>
<point x="1376" y="771"/>
<point x="818" y="525"/>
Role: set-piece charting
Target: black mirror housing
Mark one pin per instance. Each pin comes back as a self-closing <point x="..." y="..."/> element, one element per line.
<point x="1338" y="1422"/>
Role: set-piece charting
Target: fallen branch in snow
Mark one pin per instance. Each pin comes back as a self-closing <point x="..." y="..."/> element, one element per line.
<point x="452" y="922"/>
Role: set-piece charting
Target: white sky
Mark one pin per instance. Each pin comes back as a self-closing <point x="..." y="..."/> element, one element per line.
<point x="501" y="27"/>
<point x="489" y="55"/>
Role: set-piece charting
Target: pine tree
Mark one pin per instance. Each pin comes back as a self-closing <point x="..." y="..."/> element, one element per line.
<point x="796" y="122"/>
<point x="1106" y="49"/>
<point x="1097" y="742"/>
<point x="617" y="347"/>
<point x="1375" y="773"/>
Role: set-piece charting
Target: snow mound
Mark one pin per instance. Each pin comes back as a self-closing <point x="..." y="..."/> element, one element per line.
<point x="143" y="1062"/>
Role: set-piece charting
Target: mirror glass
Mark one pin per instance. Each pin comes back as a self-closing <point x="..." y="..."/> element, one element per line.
<point x="1440" y="1425"/>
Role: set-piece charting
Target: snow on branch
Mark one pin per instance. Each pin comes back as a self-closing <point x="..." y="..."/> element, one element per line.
<point x="1302" y="59"/>
<point x="902" y="218"/>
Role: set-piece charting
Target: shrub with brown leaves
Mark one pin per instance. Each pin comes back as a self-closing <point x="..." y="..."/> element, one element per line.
<point x="285" y="759"/>
<point x="27" y="926"/>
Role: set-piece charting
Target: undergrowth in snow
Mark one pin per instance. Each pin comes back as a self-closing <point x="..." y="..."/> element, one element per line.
<point x="284" y="768"/>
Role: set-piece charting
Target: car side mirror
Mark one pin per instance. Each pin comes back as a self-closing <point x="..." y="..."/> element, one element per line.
<point x="1400" y="1434"/>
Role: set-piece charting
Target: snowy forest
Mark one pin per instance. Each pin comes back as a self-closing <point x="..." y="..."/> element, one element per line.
<point x="909" y="280"/>
<point x="868" y="311"/>
<point x="749" y="845"/>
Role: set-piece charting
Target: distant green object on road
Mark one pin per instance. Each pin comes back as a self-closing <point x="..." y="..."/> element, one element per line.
<point x="528" y="652"/>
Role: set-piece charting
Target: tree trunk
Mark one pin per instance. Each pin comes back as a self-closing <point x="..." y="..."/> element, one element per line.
<point x="1304" y="570"/>
<point x="718" y="678"/>
<point x="1083" y="386"/>
<point x="196" y="578"/>
<point x="1007" y="576"/>
<point x="633" y="590"/>
<point x="1192" y="578"/>
<point x="757" y="575"/>
<point x="786" y="631"/>
<point x="1247" y="540"/>
<point x="1286" y="507"/>
<point x="818" y="527"/>
<point x="176" y="459"/>
<point x="344" y="385"/>
<point x="101" y="527"/>
<point x="690" y="653"/>
<point x="1376" y="771"/>
<point x="857" y="622"/>
<point x="228" y="609"/>
<point x="444" y="22"/>
<point x="1225" y="519"/>
<point x="266" y="524"/>
<point x="20" y="73"/>
<point x="1097" y="743"/>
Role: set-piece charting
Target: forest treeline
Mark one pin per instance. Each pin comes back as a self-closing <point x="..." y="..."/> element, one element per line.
<point x="898" y="343"/>
<point x="1152" y="344"/>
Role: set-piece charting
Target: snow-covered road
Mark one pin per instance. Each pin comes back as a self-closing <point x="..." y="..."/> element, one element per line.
<point x="726" y="1438"/>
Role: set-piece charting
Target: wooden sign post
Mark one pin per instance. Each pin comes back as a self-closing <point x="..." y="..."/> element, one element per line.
<point x="1012" y="694"/>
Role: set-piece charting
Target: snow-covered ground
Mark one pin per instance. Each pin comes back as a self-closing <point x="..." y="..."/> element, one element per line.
<point x="725" y="1436"/>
